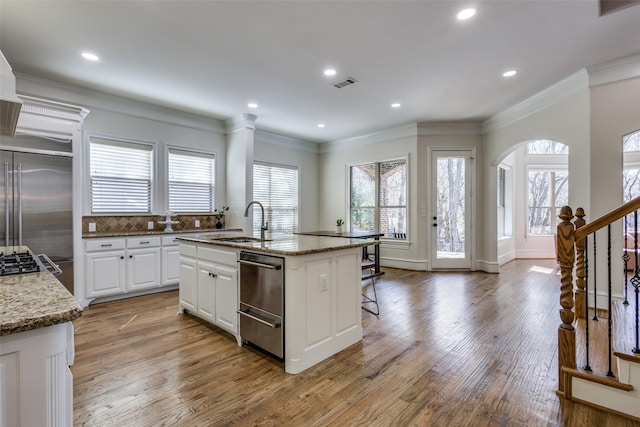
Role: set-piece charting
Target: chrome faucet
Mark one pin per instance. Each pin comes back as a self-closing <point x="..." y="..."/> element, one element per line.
<point x="264" y="226"/>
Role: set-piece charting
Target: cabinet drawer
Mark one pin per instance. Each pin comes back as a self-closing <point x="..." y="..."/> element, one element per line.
<point x="188" y="249"/>
<point x="171" y="240"/>
<point x="142" y="242"/>
<point x="218" y="256"/>
<point x="93" y="245"/>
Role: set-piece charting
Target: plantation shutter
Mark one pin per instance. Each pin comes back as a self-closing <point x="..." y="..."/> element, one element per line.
<point x="120" y="176"/>
<point x="191" y="181"/>
<point x="276" y="187"/>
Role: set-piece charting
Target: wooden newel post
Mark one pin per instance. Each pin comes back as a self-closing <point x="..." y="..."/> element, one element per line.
<point x="581" y="308"/>
<point x="565" y="255"/>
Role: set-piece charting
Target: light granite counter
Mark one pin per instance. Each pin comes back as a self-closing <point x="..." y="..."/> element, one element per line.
<point x="33" y="300"/>
<point x="283" y="244"/>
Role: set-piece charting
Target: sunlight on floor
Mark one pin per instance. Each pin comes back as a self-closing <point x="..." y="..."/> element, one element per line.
<point x="544" y="270"/>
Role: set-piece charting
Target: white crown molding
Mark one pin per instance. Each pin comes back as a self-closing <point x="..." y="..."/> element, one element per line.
<point x="265" y="137"/>
<point x="449" y="128"/>
<point x="614" y="71"/>
<point x="553" y="94"/>
<point x="58" y="110"/>
<point x="405" y="131"/>
<point x="96" y="100"/>
<point x="241" y="122"/>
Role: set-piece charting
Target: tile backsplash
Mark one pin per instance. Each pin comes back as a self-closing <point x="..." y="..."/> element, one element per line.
<point x="127" y="224"/>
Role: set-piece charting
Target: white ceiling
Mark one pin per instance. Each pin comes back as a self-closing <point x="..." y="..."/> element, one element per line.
<point x="213" y="57"/>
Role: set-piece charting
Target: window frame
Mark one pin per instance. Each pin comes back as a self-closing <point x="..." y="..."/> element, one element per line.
<point x="115" y="140"/>
<point x="553" y="218"/>
<point x="196" y="153"/>
<point x="377" y="208"/>
<point x="505" y="222"/>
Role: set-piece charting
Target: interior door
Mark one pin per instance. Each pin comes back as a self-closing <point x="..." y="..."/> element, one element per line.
<point x="451" y="185"/>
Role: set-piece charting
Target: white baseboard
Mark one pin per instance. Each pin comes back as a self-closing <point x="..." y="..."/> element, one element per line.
<point x="505" y="258"/>
<point x="405" y="264"/>
<point x="487" y="267"/>
<point x="535" y="254"/>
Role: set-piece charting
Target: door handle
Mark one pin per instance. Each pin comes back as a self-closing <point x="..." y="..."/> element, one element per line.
<point x="259" y="264"/>
<point x="6" y="203"/>
<point x="274" y="324"/>
<point x="211" y="274"/>
<point x="19" y="204"/>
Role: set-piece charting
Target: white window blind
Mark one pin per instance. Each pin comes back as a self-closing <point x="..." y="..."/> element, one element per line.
<point x="191" y="181"/>
<point x="276" y="187"/>
<point x="120" y="176"/>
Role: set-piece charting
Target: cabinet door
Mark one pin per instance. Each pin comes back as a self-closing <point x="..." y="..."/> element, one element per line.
<point x="227" y="298"/>
<point x="170" y="265"/>
<point x="104" y="273"/>
<point x="188" y="283"/>
<point x="143" y="269"/>
<point x="206" y="291"/>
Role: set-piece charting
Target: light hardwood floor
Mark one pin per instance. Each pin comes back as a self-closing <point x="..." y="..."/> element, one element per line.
<point x="449" y="349"/>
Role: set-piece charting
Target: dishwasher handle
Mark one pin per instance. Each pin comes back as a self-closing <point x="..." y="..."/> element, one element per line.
<point x="274" y="324"/>
<point x="260" y="264"/>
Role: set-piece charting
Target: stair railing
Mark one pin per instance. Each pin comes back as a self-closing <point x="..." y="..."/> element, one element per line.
<point x="572" y="241"/>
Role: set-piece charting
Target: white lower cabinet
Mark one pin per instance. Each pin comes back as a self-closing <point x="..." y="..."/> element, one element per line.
<point x="37" y="385"/>
<point x="117" y="266"/>
<point x="209" y="285"/>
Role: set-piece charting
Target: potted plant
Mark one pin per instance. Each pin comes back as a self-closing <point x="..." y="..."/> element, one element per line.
<point x="218" y="214"/>
<point x="339" y="224"/>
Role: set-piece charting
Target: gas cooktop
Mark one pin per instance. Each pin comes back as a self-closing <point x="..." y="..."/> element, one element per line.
<point x="19" y="263"/>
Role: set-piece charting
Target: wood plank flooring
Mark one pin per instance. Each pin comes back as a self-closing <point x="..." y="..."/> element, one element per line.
<point x="449" y="349"/>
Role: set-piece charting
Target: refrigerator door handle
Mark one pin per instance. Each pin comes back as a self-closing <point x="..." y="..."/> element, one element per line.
<point x="19" y="204"/>
<point x="6" y="203"/>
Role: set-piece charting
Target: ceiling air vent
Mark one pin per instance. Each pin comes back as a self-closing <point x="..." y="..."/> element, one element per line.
<point x="346" y="82"/>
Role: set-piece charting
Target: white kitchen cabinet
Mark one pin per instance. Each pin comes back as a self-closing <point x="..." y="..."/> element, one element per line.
<point x="212" y="274"/>
<point x="117" y="266"/>
<point x="170" y="265"/>
<point x="37" y="385"/>
<point x="188" y="293"/>
<point x="143" y="269"/>
<point x="226" y="298"/>
<point x="104" y="267"/>
<point x="207" y="278"/>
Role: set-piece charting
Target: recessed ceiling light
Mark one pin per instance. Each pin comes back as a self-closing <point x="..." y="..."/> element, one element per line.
<point x="252" y="105"/>
<point x="396" y="105"/>
<point x="465" y="14"/>
<point x="329" y="72"/>
<point x="90" y="56"/>
<point x="509" y="73"/>
<point x="320" y="125"/>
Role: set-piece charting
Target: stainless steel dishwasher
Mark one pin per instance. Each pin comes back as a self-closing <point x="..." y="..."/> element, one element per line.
<point x="262" y="301"/>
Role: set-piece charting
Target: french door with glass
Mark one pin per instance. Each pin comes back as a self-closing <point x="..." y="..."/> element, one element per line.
<point x="451" y="189"/>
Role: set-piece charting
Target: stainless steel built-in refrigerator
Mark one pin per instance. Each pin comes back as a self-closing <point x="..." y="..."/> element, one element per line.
<point x="36" y="201"/>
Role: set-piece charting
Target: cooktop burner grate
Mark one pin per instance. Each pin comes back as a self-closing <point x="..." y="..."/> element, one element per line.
<point x="18" y="263"/>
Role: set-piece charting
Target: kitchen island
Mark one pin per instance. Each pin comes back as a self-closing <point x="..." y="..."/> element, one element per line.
<point x="322" y="289"/>
<point x="36" y="348"/>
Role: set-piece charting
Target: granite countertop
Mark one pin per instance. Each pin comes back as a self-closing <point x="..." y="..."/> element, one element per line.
<point x="155" y="232"/>
<point x="33" y="300"/>
<point x="284" y="244"/>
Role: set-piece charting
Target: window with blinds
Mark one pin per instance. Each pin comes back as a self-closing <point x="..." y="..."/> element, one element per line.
<point x="121" y="176"/>
<point x="276" y="187"/>
<point x="191" y="181"/>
